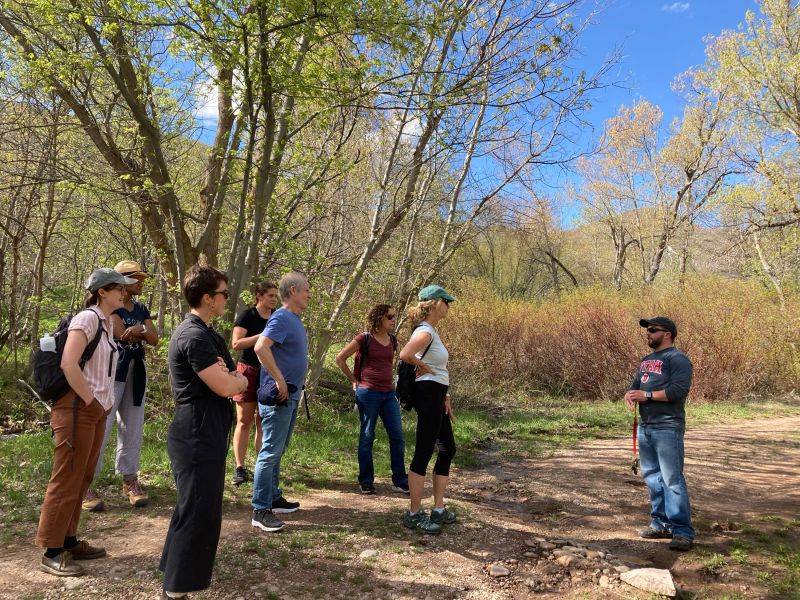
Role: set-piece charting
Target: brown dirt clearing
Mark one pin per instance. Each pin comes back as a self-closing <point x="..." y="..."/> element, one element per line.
<point x="737" y="473"/>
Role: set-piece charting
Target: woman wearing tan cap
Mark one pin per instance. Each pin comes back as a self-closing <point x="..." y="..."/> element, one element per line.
<point x="133" y="328"/>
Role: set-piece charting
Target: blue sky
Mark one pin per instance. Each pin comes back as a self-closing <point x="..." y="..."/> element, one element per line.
<point x="659" y="39"/>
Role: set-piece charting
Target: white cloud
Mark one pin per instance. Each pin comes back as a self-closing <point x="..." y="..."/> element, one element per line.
<point x="676" y="7"/>
<point x="206" y="101"/>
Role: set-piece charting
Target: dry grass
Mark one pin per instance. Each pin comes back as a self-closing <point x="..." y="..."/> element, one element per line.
<point x="588" y="343"/>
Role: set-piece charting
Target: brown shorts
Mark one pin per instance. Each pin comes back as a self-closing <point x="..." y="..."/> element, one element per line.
<point x="252" y="373"/>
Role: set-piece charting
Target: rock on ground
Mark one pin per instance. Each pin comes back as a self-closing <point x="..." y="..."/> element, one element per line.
<point x="655" y="581"/>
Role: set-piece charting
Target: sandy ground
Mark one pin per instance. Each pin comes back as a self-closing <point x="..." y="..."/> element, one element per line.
<point x="737" y="473"/>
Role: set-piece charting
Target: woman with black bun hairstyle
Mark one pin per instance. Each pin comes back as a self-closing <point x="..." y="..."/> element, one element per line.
<point x="247" y="328"/>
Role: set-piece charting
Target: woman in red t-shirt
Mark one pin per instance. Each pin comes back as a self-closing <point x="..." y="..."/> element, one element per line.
<point x="373" y="383"/>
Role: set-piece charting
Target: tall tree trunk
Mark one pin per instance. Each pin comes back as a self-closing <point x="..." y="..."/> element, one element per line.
<point x="769" y="270"/>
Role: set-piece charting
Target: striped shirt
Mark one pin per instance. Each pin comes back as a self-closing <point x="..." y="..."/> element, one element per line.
<point x="96" y="371"/>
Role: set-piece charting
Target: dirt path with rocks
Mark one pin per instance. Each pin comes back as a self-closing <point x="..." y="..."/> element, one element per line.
<point x="513" y="514"/>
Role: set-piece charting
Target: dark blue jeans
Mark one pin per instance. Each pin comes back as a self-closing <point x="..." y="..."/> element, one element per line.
<point x="661" y="455"/>
<point x="371" y="405"/>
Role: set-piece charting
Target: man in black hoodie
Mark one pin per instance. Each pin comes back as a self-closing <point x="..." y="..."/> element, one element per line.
<point x="660" y="389"/>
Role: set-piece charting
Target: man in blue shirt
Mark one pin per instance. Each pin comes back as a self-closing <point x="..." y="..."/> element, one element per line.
<point x="660" y="389"/>
<point x="282" y="351"/>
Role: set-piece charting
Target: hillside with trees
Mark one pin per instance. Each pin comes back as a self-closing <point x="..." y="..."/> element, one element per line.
<point x="380" y="147"/>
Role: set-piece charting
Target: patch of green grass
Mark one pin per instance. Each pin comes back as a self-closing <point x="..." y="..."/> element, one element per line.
<point x="323" y="450"/>
<point x="715" y="563"/>
<point x="336" y="555"/>
<point x="776" y="551"/>
<point x="740" y="556"/>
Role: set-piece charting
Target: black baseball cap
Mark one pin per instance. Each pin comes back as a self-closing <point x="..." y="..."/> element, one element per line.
<point x="663" y="322"/>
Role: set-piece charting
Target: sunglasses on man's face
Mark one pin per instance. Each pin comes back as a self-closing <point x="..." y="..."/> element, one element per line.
<point x="223" y="292"/>
<point x="446" y="301"/>
<point x="655" y="330"/>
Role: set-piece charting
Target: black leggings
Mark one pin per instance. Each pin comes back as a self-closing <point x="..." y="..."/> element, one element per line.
<point x="433" y="429"/>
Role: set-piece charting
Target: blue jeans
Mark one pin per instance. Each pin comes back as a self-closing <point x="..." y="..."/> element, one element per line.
<point x="371" y="405"/>
<point x="661" y="455"/>
<point x="277" y="423"/>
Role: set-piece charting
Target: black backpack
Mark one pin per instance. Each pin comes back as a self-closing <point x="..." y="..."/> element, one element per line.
<point x="406" y="376"/>
<point x="51" y="383"/>
<point x="363" y="351"/>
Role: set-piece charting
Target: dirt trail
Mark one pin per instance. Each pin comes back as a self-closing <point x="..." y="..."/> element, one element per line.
<point x="736" y="473"/>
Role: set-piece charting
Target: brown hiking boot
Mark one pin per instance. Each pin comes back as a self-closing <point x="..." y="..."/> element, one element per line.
<point x="84" y="551"/>
<point x="61" y="565"/>
<point x="92" y="502"/>
<point x="134" y="492"/>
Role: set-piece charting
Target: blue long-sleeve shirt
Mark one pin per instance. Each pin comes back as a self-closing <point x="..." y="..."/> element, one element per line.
<point x="669" y="370"/>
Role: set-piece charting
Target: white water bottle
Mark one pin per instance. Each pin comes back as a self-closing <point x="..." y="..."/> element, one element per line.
<point x="47" y="343"/>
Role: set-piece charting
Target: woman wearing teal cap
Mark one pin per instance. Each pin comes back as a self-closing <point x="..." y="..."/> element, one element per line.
<point x="435" y="416"/>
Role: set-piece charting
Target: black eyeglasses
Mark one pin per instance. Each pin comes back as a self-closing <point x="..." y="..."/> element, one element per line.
<point x="391" y="317"/>
<point x="223" y="292"/>
<point x="446" y="301"/>
<point x="655" y="330"/>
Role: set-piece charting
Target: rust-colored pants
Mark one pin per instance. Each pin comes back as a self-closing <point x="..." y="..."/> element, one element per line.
<point x="73" y="467"/>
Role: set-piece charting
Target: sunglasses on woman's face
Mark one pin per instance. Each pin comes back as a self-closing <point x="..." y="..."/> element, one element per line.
<point x="446" y="301"/>
<point x="391" y="317"/>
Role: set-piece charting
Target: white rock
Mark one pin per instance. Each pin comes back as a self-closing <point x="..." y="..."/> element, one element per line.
<point x="73" y="583"/>
<point x="369" y="553"/>
<point x="498" y="571"/>
<point x="604" y="581"/>
<point x="655" y="581"/>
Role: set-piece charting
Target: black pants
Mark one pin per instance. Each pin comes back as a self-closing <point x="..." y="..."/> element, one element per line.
<point x="434" y="429"/>
<point x="198" y="464"/>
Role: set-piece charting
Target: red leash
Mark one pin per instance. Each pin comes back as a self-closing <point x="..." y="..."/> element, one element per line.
<point x="635" y="462"/>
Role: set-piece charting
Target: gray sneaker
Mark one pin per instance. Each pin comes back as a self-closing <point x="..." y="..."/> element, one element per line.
<point x="266" y="521"/>
<point x="421" y="521"/>
<point x="443" y="517"/>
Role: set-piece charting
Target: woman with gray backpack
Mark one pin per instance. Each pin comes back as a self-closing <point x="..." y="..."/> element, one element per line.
<point x="428" y="354"/>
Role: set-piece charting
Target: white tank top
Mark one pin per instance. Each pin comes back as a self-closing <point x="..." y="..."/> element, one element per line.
<point x="436" y="357"/>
